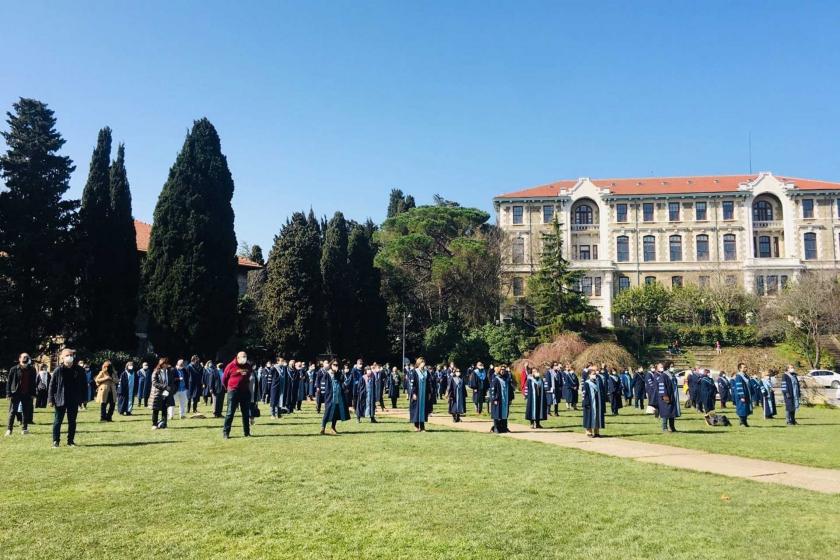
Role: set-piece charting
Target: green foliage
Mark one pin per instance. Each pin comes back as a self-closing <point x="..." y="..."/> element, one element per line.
<point x="697" y="335"/>
<point x="553" y="291"/>
<point x="37" y="273"/>
<point x="505" y="342"/>
<point x="118" y="359"/>
<point x="190" y="270"/>
<point x="399" y="203"/>
<point x="368" y="315"/>
<point x="439" y="340"/>
<point x="337" y="290"/>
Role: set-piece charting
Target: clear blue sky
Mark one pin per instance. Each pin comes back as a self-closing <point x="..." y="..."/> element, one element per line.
<point x="331" y="104"/>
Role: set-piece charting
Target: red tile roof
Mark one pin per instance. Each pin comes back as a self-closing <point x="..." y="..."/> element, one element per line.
<point x="667" y="185"/>
<point x="143" y="233"/>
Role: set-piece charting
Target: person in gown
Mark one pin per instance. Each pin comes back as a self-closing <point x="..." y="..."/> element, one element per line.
<point x="479" y="384"/>
<point x="456" y="393"/>
<point x="768" y="395"/>
<point x="366" y="396"/>
<point x="536" y="404"/>
<point x="332" y="391"/>
<point x="593" y="416"/>
<point x="394" y="384"/>
<point x="741" y="395"/>
<point x="421" y="395"/>
<point x="501" y="394"/>
<point x="791" y="394"/>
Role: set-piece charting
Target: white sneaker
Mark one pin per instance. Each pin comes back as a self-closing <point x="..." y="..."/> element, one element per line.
<point x="8" y="433"/>
<point x="154" y="427"/>
<point x="26" y="431"/>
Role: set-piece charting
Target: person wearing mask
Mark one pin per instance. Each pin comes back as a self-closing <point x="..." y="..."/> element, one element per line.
<point x="706" y="395"/>
<point x="741" y="395"/>
<point x="639" y="389"/>
<point x="68" y="389"/>
<point x="125" y="390"/>
<point x="278" y="388"/>
<point x="366" y="396"/>
<point x="42" y="387"/>
<point x="791" y="394"/>
<point x="768" y="395"/>
<point x="570" y="388"/>
<point x="301" y="383"/>
<point x="219" y="391"/>
<point x="196" y="384"/>
<point x="421" y="391"/>
<point x="536" y="405"/>
<point x="91" y="384"/>
<point x="651" y="384"/>
<point x="144" y="378"/>
<point x="162" y="386"/>
<point x="667" y="399"/>
<point x="394" y="383"/>
<point x="457" y="394"/>
<point x="331" y="391"/>
<point x="207" y="382"/>
<point x="615" y="388"/>
<point x="106" y="392"/>
<point x="553" y="388"/>
<point x="182" y="382"/>
<point x="237" y="380"/>
<point x="501" y="394"/>
<point x="382" y="378"/>
<point x="479" y="384"/>
<point x="20" y="389"/>
<point x="593" y="417"/>
<point x="724" y="387"/>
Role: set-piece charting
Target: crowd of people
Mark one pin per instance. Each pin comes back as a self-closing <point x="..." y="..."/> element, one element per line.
<point x="335" y="389"/>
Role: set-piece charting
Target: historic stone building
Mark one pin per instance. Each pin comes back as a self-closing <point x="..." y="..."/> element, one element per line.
<point x="758" y="231"/>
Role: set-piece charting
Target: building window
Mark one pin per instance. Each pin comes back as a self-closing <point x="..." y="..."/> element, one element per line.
<point x="584" y="253"/>
<point x="650" y="280"/>
<point x="622" y="248"/>
<point x="597" y="286"/>
<point x="518" y="287"/>
<point x="548" y="214"/>
<point x="810" y="246"/>
<point x="595" y="252"/>
<point x="518" y="251"/>
<point x="728" y="210"/>
<point x="784" y="281"/>
<point x="838" y="207"/>
<point x="621" y="212"/>
<point x="704" y="281"/>
<point x="518" y="215"/>
<point x="649" y="248"/>
<point x="700" y="211"/>
<point x="730" y="248"/>
<point x="583" y="214"/>
<point x="676" y="281"/>
<point x="772" y="285"/>
<point x="702" y="247"/>
<point x="673" y="211"/>
<point x="759" y="285"/>
<point x="675" y="247"/>
<point x="586" y="286"/>
<point x="762" y="211"/>
<point x="764" y="247"/>
<point x="730" y="280"/>
<point x="623" y="283"/>
<point x="807" y="207"/>
<point x="647" y="212"/>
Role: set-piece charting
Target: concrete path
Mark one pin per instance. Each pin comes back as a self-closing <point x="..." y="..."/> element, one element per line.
<point x="809" y="478"/>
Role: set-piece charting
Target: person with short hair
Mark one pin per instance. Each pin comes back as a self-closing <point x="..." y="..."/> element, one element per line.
<point x="421" y="391"/>
<point x="219" y="391"/>
<point x="791" y="394"/>
<point x="20" y="390"/>
<point x="366" y="396"/>
<point x="536" y="404"/>
<point x="479" y="382"/>
<point x="42" y="387"/>
<point x="90" y="390"/>
<point x="196" y="384"/>
<point x="456" y="392"/>
<point x="182" y="384"/>
<point x="125" y="390"/>
<point x="332" y="396"/>
<point x="237" y="381"/>
<point x="144" y="380"/>
<point x="393" y="384"/>
<point x="768" y="395"/>
<point x="706" y="394"/>
<point x="639" y="388"/>
<point x="162" y="386"/>
<point x="593" y="415"/>
<point x="501" y="394"/>
<point x="741" y="395"/>
<point x="67" y="391"/>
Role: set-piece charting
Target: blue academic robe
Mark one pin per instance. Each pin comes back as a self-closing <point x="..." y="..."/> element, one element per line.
<point x="790" y="391"/>
<point x="768" y="398"/>
<point x="480" y="384"/>
<point x="615" y="389"/>
<point x="501" y="394"/>
<point x="724" y="387"/>
<point x="638" y="386"/>
<point x="457" y="392"/>
<point x="755" y="391"/>
<point x="741" y="395"/>
<point x="536" y="406"/>
<point x="332" y="389"/>
<point x="570" y="387"/>
<point x="706" y="393"/>
<point x="393" y="384"/>
<point x="278" y="386"/>
<point x="667" y="396"/>
<point x="593" y="415"/>
<point x="365" y="403"/>
<point x="421" y="394"/>
<point x="627" y="385"/>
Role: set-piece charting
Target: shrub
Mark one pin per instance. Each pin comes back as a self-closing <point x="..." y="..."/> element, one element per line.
<point x="756" y="359"/>
<point x="728" y="335"/>
<point x="609" y="353"/>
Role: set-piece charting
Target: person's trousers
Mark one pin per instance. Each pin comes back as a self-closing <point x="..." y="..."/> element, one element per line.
<point x="275" y="410"/>
<point x="194" y="404"/>
<point x="106" y="410"/>
<point x="242" y="399"/>
<point x="332" y="424"/>
<point x="319" y="400"/>
<point x="25" y="403"/>
<point x="613" y="409"/>
<point x="70" y="410"/>
<point x="639" y="403"/>
<point x="183" y="402"/>
<point x="123" y="404"/>
<point x="790" y="416"/>
<point x="394" y="402"/>
<point x="668" y="424"/>
<point x="218" y="403"/>
<point x="158" y="414"/>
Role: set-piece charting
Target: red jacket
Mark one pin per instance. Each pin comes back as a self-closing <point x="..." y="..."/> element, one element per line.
<point x="235" y="376"/>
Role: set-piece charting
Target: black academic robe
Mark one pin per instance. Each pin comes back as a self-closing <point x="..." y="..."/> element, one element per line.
<point x="365" y="404"/>
<point x="570" y="387"/>
<point x="457" y="394"/>
<point x="479" y="386"/>
<point x="615" y="390"/>
<point x="196" y="373"/>
<point x="278" y="386"/>
<point x="536" y="405"/>
<point x="603" y="386"/>
<point x="638" y="386"/>
<point x="790" y="391"/>
<point x="724" y="390"/>
<point x="706" y="393"/>
<point x="651" y="383"/>
<point x="393" y="384"/>
<point x="667" y="400"/>
<point x="421" y="395"/>
<point x="501" y="395"/>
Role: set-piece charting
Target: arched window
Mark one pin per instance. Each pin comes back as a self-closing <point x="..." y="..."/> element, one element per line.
<point x="702" y="247"/>
<point x="675" y="247"/>
<point x="583" y="214"/>
<point x="730" y="249"/>
<point x="649" y="248"/>
<point x="810" y="246"/>
<point x="762" y="211"/>
<point x="622" y="248"/>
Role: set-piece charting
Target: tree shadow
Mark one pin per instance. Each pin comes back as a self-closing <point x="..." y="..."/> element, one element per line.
<point x="130" y="443"/>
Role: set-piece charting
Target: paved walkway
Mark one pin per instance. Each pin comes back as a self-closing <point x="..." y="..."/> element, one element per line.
<point x="798" y="476"/>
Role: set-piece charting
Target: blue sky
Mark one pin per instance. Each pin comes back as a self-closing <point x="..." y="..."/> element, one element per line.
<point x="331" y="104"/>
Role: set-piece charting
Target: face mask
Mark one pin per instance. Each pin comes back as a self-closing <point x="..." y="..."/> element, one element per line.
<point x="130" y="368"/>
<point x="27" y="361"/>
<point x="242" y="361"/>
<point x="68" y="360"/>
<point x="536" y="375"/>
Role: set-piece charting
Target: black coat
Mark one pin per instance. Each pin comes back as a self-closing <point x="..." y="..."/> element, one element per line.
<point x="68" y="386"/>
<point x="196" y="384"/>
<point x="16" y="374"/>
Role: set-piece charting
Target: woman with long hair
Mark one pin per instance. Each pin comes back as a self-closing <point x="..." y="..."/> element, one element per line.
<point x="106" y="392"/>
<point x="162" y="393"/>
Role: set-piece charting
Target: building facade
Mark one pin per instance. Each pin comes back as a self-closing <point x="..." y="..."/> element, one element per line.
<point x="757" y="231"/>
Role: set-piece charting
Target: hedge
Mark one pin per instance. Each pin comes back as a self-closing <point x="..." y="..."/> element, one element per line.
<point x="707" y="335"/>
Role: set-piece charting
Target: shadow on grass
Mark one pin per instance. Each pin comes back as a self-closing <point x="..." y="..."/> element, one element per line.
<point x="131" y="443"/>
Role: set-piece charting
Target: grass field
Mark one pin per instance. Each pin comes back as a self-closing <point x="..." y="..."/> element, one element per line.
<point x="815" y="442"/>
<point x="377" y="491"/>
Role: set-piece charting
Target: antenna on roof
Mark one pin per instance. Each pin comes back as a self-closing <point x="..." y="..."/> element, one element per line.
<point x="749" y="148"/>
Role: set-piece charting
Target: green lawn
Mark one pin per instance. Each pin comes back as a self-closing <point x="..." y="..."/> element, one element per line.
<point x="815" y="442"/>
<point x="377" y="491"/>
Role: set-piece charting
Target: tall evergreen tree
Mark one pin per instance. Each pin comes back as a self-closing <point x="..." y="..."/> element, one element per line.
<point x="37" y="271"/>
<point x="368" y="310"/>
<point x="399" y="202"/>
<point x="291" y="294"/>
<point x="189" y="273"/>
<point x="336" y="288"/>
<point x="125" y="262"/>
<point x="256" y="254"/>
<point x="554" y="290"/>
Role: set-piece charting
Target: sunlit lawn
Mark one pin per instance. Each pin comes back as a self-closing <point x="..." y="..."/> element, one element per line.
<point x="380" y="491"/>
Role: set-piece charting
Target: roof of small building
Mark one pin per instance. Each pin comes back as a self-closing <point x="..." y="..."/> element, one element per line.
<point x="143" y="232"/>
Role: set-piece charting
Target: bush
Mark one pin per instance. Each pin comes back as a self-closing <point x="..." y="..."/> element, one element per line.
<point x="609" y="353"/>
<point x="694" y="335"/>
<point x="756" y="359"/>
<point x="564" y="348"/>
<point x="118" y="359"/>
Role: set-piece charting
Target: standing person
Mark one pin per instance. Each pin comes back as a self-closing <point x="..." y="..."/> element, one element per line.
<point x="20" y="389"/>
<point x="741" y="395"/>
<point x="639" y="389"/>
<point x="570" y="388"/>
<point x="717" y="347"/>
<point x="162" y="386"/>
<point x="331" y="393"/>
<point x="501" y="394"/>
<point x="219" y="391"/>
<point x="755" y="390"/>
<point x="627" y="387"/>
<point x="668" y="400"/>
<point x="301" y="383"/>
<point x="421" y="395"/>
<point x="320" y="382"/>
<point x="381" y="374"/>
<point x="691" y="380"/>
<point x="768" y="395"/>
<point x="278" y="388"/>
<point x="394" y="383"/>
<point x="144" y="377"/>
<point x="208" y="382"/>
<point x="182" y="379"/>
<point x="553" y="387"/>
<point x="724" y="389"/>
<point x="68" y="389"/>
<point x="148" y="391"/>
<point x="366" y="396"/>
<point x="237" y="380"/>
<point x="706" y="394"/>
<point x="106" y="392"/>
<point x="311" y="373"/>
<point x="42" y="387"/>
<point x="90" y="390"/>
<point x="651" y="385"/>
<point x="480" y="384"/>
<point x="536" y="406"/>
<point x="790" y="392"/>
<point x="615" y="389"/>
<point x="593" y="417"/>
<point x="456" y="392"/>
<point x="196" y="384"/>
<point x="265" y="376"/>
<point x="125" y="390"/>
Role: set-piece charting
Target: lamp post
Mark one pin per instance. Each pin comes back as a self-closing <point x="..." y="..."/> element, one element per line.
<point x="405" y="315"/>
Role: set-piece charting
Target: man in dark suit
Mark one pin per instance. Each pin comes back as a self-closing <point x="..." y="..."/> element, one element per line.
<point x="20" y="389"/>
<point x="67" y="392"/>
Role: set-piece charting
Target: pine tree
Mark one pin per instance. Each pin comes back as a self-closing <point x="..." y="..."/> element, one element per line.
<point x="368" y="310"/>
<point x="399" y="203"/>
<point x="37" y="273"/>
<point x="125" y="263"/>
<point x="336" y="287"/>
<point x="553" y="291"/>
<point x="291" y="294"/>
<point x="256" y="254"/>
<point x="189" y="273"/>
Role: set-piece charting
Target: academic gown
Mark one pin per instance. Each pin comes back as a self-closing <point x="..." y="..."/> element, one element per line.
<point x="615" y="390"/>
<point x="196" y="381"/>
<point x="421" y="386"/>
<point x="479" y="383"/>
<point x="501" y="395"/>
<point x="593" y="415"/>
<point x="603" y="386"/>
<point x="626" y="385"/>
<point x="755" y="391"/>
<point x="724" y="387"/>
<point x="536" y="405"/>
<point x="768" y="396"/>
<point x="638" y="386"/>
<point x="553" y="384"/>
<point x="741" y="395"/>
<point x="706" y="393"/>
<point x="366" y="397"/>
<point x="278" y="386"/>
<point x="667" y="396"/>
<point x="332" y="393"/>
<point x="570" y="388"/>
<point x="651" y="383"/>
<point x="302" y="385"/>
<point x="457" y="392"/>
<point x="393" y="384"/>
<point x="791" y="391"/>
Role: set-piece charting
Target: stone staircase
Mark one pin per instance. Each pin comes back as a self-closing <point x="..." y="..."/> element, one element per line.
<point x="691" y="356"/>
<point x="831" y="345"/>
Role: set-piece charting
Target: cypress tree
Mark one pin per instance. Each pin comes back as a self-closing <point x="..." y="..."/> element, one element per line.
<point x="37" y="273"/>
<point x="399" y="203"/>
<point x="189" y="274"/>
<point x="256" y="255"/>
<point x="368" y="314"/>
<point x="96" y="296"/>
<point x="291" y="294"/>
<point x="125" y="261"/>
<point x="336" y="288"/>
